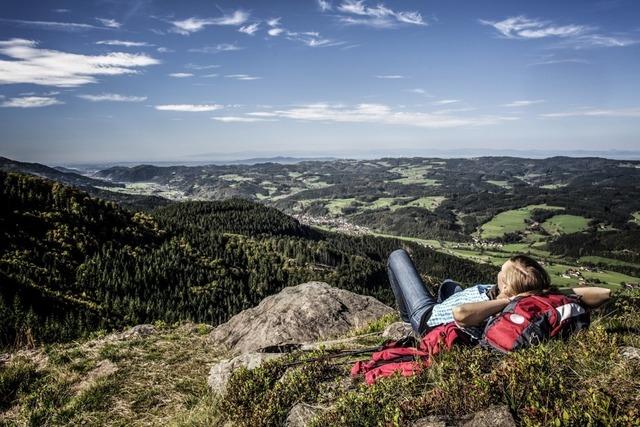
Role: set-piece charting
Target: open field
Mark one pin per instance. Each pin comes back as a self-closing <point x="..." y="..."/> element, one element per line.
<point x="511" y="221"/>
<point x="503" y="184"/>
<point x="565" y="224"/>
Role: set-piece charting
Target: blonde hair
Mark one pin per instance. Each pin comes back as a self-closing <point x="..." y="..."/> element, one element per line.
<point x="524" y="274"/>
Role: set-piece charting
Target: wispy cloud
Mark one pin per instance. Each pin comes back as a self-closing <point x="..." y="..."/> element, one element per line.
<point x="194" y="24"/>
<point x="222" y="47"/>
<point x="240" y="119"/>
<point x="521" y="27"/>
<point x="189" y="108"/>
<point x="523" y="103"/>
<point x="125" y="43"/>
<point x="31" y="64"/>
<point x="201" y="67"/>
<point x="551" y="60"/>
<point x="390" y="76"/>
<point x="420" y="91"/>
<point x="30" y="102"/>
<point x="111" y="23"/>
<point x="595" y="112"/>
<point x="572" y="35"/>
<point x="356" y="12"/>
<point x="446" y="101"/>
<point x="378" y="113"/>
<point x="242" y="77"/>
<point x="324" y="5"/>
<point x="53" y="25"/>
<point x="250" y="29"/>
<point x="180" y="75"/>
<point x="308" y="38"/>
<point x="274" y="32"/>
<point x="162" y="49"/>
<point x="112" y="97"/>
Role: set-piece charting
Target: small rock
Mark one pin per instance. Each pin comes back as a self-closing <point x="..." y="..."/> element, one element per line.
<point x="103" y="369"/>
<point x="301" y="414"/>
<point x="397" y="330"/>
<point x="139" y="331"/>
<point x="494" y="416"/>
<point x="630" y="352"/>
<point x="220" y="373"/>
<point x="431" y="421"/>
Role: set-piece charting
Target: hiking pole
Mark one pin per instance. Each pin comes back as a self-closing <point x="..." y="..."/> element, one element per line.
<point x="339" y="353"/>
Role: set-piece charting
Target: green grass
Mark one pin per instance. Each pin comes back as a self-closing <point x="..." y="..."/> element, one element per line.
<point x="429" y="202"/>
<point x="503" y="184"/>
<point x="553" y="186"/>
<point x="635" y="217"/>
<point x="414" y="175"/>
<point x="510" y="221"/>
<point x="235" y="177"/>
<point x="581" y="381"/>
<point x="150" y="381"/>
<point x="565" y="224"/>
<point x="603" y="260"/>
<point x="335" y="206"/>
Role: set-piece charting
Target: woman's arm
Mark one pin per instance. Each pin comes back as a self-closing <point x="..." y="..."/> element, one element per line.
<point x="474" y="313"/>
<point x="592" y="296"/>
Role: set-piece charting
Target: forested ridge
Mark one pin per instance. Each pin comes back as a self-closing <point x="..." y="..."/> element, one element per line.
<point x="71" y="264"/>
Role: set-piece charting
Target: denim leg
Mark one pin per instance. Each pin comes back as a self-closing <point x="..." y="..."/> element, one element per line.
<point x="448" y="288"/>
<point x="414" y="301"/>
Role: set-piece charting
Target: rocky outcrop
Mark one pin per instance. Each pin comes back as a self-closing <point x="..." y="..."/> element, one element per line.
<point x="298" y="314"/>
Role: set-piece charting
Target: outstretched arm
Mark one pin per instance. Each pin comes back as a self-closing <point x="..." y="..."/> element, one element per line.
<point x="591" y="296"/>
<point x="474" y="313"/>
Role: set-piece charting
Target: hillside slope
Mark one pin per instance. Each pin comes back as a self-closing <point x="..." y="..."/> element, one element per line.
<point x="71" y="264"/>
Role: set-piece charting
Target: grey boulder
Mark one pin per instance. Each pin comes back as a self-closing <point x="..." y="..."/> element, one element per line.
<point x="297" y="314"/>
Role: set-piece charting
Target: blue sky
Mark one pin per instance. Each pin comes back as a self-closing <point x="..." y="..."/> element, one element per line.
<point x="145" y="80"/>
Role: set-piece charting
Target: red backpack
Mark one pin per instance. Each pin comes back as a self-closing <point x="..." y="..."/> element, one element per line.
<point x="532" y="319"/>
<point x="397" y="356"/>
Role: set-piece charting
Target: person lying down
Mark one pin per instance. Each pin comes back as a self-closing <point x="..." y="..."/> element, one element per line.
<point x="470" y="308"/>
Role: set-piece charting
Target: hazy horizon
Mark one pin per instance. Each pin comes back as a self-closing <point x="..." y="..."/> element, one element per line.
<point x="149" y="81"/>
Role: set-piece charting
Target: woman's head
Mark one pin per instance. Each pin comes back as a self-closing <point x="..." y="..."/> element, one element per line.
<point x="522" y="273"/>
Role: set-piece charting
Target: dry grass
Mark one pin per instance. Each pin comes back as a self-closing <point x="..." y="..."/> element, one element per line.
<point x="111" y="380"/>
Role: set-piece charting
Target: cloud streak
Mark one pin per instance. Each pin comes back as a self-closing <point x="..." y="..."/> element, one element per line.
<point x="242" y="77"/>
<point x="250" y="29"/>
<point x="379" y="114"/>
<point x="30" y="102"/>
<point x="112" y="97"/>
<point x="523" y="103"/>
<point x="222" y="47"/>
<point x="572" y="35"/>
<point x="31" y="64"/>
<point x="110" y="23"/>
<point x="54" y="25"/>
<point x="194" y="24"/>
<point x="189" y="108"/>
<point x="240" y="119"/>
<point x="595" y="112"/>
<point x="125" y="43"/>
<point x="356" y="12"/>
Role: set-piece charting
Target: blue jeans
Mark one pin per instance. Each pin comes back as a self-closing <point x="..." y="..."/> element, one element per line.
<point x="414" y="301"/>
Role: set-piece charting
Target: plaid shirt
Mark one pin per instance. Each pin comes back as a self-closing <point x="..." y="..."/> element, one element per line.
<point x="443" y="312"/>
